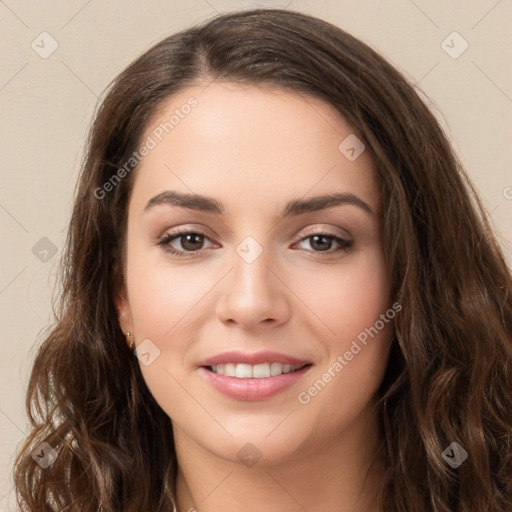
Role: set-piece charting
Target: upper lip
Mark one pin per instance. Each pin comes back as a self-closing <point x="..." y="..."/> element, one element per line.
<point x="254" y="358"/>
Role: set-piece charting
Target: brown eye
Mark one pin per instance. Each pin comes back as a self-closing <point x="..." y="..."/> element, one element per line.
<point x="321" y="242"/>
<point x="191" y="241"/>
<point x="183" y="243"/>
<point x="324" y="242"/>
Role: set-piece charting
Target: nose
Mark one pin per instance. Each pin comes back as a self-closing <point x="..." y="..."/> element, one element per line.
<point x="253" y="294"/>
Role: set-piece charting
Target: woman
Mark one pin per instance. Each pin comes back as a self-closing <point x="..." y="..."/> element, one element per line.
<point x="270" y="219"/>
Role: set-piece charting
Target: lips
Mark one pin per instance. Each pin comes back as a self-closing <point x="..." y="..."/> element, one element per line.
<point x="256" y="376"/>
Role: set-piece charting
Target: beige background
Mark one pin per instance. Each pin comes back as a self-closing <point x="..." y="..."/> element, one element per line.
<point x="46" y="105"/>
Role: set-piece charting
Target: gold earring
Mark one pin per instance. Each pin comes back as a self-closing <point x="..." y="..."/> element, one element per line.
<point x="131" y="343"/>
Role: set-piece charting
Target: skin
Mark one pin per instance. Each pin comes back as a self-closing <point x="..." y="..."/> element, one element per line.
<point x="253" y="149"/>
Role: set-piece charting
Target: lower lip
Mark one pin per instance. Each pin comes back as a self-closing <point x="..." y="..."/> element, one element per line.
<point x="253" y="389"/>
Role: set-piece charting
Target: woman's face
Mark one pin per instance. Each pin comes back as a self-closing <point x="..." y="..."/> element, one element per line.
<point x="272" y="325"/>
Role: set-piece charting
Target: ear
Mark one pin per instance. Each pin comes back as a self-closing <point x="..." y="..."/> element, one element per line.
<point x="124" y="312"/>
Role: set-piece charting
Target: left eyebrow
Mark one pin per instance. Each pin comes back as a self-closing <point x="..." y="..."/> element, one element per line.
<point x="292" y="208"/>
<point x="299" y="206"/>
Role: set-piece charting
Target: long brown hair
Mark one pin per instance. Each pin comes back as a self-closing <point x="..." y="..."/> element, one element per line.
<point x="449" y="377"/>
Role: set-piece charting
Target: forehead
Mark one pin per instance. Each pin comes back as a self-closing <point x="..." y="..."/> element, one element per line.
<point x="225" y="138"/>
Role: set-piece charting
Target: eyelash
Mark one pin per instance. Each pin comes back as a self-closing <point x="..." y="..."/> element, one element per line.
<point x="345" y="245"/>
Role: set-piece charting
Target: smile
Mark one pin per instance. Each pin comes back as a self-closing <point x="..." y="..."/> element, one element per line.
<point x="253" y="376"/>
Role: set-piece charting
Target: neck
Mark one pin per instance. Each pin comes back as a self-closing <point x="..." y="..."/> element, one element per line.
<point x="337" y="473"/>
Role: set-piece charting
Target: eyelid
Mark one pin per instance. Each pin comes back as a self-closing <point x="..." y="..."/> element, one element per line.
<point x="188" y="228"/>
<point x="316" y="229"/>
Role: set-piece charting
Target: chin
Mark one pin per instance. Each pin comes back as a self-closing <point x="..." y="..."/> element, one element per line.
<point x="268" y="444"/>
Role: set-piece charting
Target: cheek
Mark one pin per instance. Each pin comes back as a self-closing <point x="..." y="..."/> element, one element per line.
<point x="350" y="301"/>
<point x="347" y="298"/>
<point x="162" y="301"/>
<point x="161" y="296"/>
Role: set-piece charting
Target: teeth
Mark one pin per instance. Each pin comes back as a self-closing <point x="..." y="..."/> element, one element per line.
<point x="249" y="371"/>
<point x="243" y="371"/>
<point x="276" y="369"/>
<point x="230" y="370"/>
<point x="261" y="370"/>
